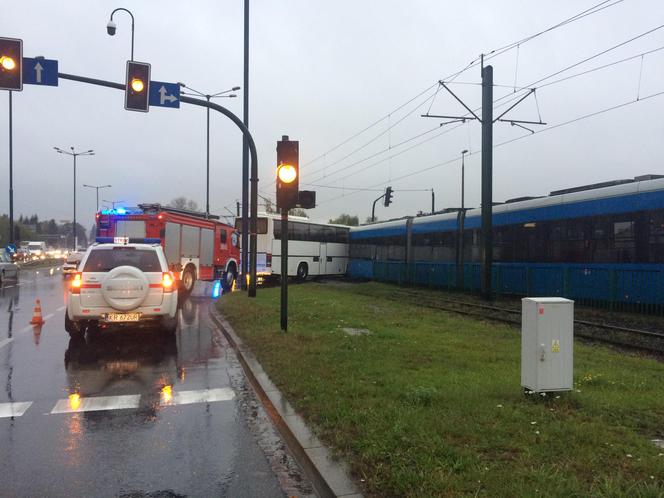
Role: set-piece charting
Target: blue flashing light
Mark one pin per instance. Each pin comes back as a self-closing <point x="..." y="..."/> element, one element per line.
<point x="216" y="289"/>
<point x="121" y="211"/>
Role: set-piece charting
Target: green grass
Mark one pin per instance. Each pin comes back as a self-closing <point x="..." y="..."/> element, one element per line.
<point x="430" y="404"/>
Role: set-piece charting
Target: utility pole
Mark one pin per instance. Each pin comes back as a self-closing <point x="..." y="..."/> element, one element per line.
<point x="487" y="121"/>
<point x="486" y="250"/>
<point x="433" y="202"/>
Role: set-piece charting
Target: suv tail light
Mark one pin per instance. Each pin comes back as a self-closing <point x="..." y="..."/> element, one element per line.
<point x="76" y="283"/>
<point x="167" y="281"/>
<point x="268" y="259"/>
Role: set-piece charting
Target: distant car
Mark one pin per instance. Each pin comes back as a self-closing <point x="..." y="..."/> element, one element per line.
<point x="123" y="284"/>
<point x="71" y="263"/>
<point x="8" y="269"/>
<point x="37" y="250"/>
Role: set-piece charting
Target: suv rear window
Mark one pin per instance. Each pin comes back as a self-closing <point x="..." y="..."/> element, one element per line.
<point x="104" y="260"/>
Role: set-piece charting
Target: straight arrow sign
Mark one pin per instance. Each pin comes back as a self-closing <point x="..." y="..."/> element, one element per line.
<point x="40" y="71"/>
<point x="164" y="94"/>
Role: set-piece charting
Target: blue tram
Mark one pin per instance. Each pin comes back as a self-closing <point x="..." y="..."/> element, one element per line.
<point x="601" y="243"/>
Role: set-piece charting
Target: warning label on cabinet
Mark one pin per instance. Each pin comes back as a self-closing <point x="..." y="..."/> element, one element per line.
<point x="555" y="346"/>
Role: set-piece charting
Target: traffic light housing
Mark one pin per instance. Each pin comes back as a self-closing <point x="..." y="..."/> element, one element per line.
<point x="137" y="86"/>
<point x="288" y="173"/>
<point x="11" y="64"/>
<point x="388" y="196"/>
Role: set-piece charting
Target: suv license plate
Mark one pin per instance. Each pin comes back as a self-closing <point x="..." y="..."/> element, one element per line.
<point x="123" y="317"/>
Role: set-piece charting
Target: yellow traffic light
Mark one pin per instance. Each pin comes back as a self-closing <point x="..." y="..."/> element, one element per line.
<point x="287" y="173"/>
<point x="137" y="85"/>
<point x="7" y="63"/>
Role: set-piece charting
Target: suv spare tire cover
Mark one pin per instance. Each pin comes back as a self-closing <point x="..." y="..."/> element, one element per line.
<point x="125" y="288"/>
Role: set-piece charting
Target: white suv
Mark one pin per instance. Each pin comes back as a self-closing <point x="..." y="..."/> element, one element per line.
<point x="121" y="284"/>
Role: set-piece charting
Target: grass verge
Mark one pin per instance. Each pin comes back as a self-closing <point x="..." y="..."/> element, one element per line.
<point x="429" y="403"/>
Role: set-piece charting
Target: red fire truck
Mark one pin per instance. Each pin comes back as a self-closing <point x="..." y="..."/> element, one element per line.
<point x="196" y="246"/>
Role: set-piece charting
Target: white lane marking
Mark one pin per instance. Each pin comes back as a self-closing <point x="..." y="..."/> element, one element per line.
<point x="48" y="317"/>
<point x="98" y="403"/>
<point x="4" y="342"/>
<point x="61" y="308"/>
<point x="26" y="329"/>
<point x="14" y="409"/>
<point x="201" y="396"/>
<point x="9" y="286"/>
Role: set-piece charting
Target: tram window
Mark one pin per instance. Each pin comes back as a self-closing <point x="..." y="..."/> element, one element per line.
<point x="623" y="230"/>
<point x="342" y="235"/>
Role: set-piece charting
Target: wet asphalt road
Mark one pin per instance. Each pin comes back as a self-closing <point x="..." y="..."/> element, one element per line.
<point x="205" y="435"/>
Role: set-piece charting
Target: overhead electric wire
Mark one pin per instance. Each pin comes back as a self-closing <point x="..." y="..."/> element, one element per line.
<point x="548" y="128"/>
<point x="494" y="53"/>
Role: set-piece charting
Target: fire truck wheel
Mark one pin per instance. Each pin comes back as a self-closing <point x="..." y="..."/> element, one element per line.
<point x="188" y="279"/>
<point x="231" y="275"/>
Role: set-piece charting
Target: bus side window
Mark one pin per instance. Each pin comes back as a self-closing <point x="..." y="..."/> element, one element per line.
<point x="222" y="236"/>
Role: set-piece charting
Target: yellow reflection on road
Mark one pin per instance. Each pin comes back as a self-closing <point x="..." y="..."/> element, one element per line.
<point x="166" y="394"/>
<point x="74" y="401"/>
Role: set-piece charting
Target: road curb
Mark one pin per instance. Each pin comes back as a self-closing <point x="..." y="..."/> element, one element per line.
<point x="329" y="477"/>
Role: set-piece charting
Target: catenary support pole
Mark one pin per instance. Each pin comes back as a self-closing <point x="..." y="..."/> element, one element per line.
<point x="433" y="202"/>
<point x="284" y="269"/>
<point x="487" y="184"/>
<point x="11" y="173"/>
<point x="207" y="164"/>
<point x="245" y="151"/>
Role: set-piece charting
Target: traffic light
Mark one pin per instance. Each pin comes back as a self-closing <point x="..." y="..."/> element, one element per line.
<point x="137" y="86"/>
<point x="288" y="173"/>
<point x="11" y="62"/>
<point x="307" y="199"/>
<point x="388" y="196"/>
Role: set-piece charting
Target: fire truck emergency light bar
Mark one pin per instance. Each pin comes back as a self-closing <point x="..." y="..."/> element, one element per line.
<point x="127" y="240"/>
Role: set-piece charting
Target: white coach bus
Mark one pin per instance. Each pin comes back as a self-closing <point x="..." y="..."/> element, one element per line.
<point x="313" y="248"/>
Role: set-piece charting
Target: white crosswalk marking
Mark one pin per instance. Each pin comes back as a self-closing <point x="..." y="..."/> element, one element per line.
<point x="98" y="403"/>
<point x="14" y="409"/>
<point x="201" y="396"/>
<point x="4" y="342"/>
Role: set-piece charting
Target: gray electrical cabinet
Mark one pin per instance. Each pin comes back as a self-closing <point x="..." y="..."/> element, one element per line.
<point x="547" y="343"/>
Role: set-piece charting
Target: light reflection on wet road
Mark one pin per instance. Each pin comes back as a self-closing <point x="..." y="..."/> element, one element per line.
<point x="128" y="413"/>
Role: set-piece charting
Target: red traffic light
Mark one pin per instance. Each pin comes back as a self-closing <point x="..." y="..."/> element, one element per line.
<point x="11" y="64"/>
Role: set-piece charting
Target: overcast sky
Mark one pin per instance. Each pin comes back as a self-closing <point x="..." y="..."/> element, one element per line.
<point x="321" y="72"/>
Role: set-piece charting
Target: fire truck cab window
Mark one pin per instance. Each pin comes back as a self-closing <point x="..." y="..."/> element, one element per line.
<point x="222" y="236"/>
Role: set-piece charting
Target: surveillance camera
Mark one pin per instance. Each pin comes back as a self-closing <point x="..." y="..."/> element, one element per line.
<point x="111" y="27"/>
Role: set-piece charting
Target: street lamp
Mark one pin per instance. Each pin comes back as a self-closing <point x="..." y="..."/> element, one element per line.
<point x="209" y="97"/>
<point x="97" y="187"/>
<point x="111" y="28"/>
<point x="74" y="154"/>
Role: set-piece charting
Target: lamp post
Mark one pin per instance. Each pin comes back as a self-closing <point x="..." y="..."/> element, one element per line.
<point x="97" y="187"/>
<point x="111" y="27"/>
<point x="74" y="154"/>
<point x="207" y="109"/>
<point x="463" y="176"/>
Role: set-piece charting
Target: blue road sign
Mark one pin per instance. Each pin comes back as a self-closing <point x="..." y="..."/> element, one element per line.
<point x="164" y="94"/>
<point x="40" y="71"/>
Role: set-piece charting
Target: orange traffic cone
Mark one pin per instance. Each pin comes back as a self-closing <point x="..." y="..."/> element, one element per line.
<point x="37" y="315"/>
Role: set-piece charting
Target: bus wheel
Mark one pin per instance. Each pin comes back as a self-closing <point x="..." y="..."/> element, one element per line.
<point x="188" y="279"/>
<point x="302" y="271"/>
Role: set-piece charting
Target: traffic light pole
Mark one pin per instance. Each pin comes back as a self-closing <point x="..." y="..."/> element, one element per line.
<point x="373" y="208"/>
<point x="284" y="269"/>
<point x="11" y="174"/>
<point x="252" y="149"/>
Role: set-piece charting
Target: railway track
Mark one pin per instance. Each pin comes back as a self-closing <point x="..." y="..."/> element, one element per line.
<point x="604" y="332"/>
